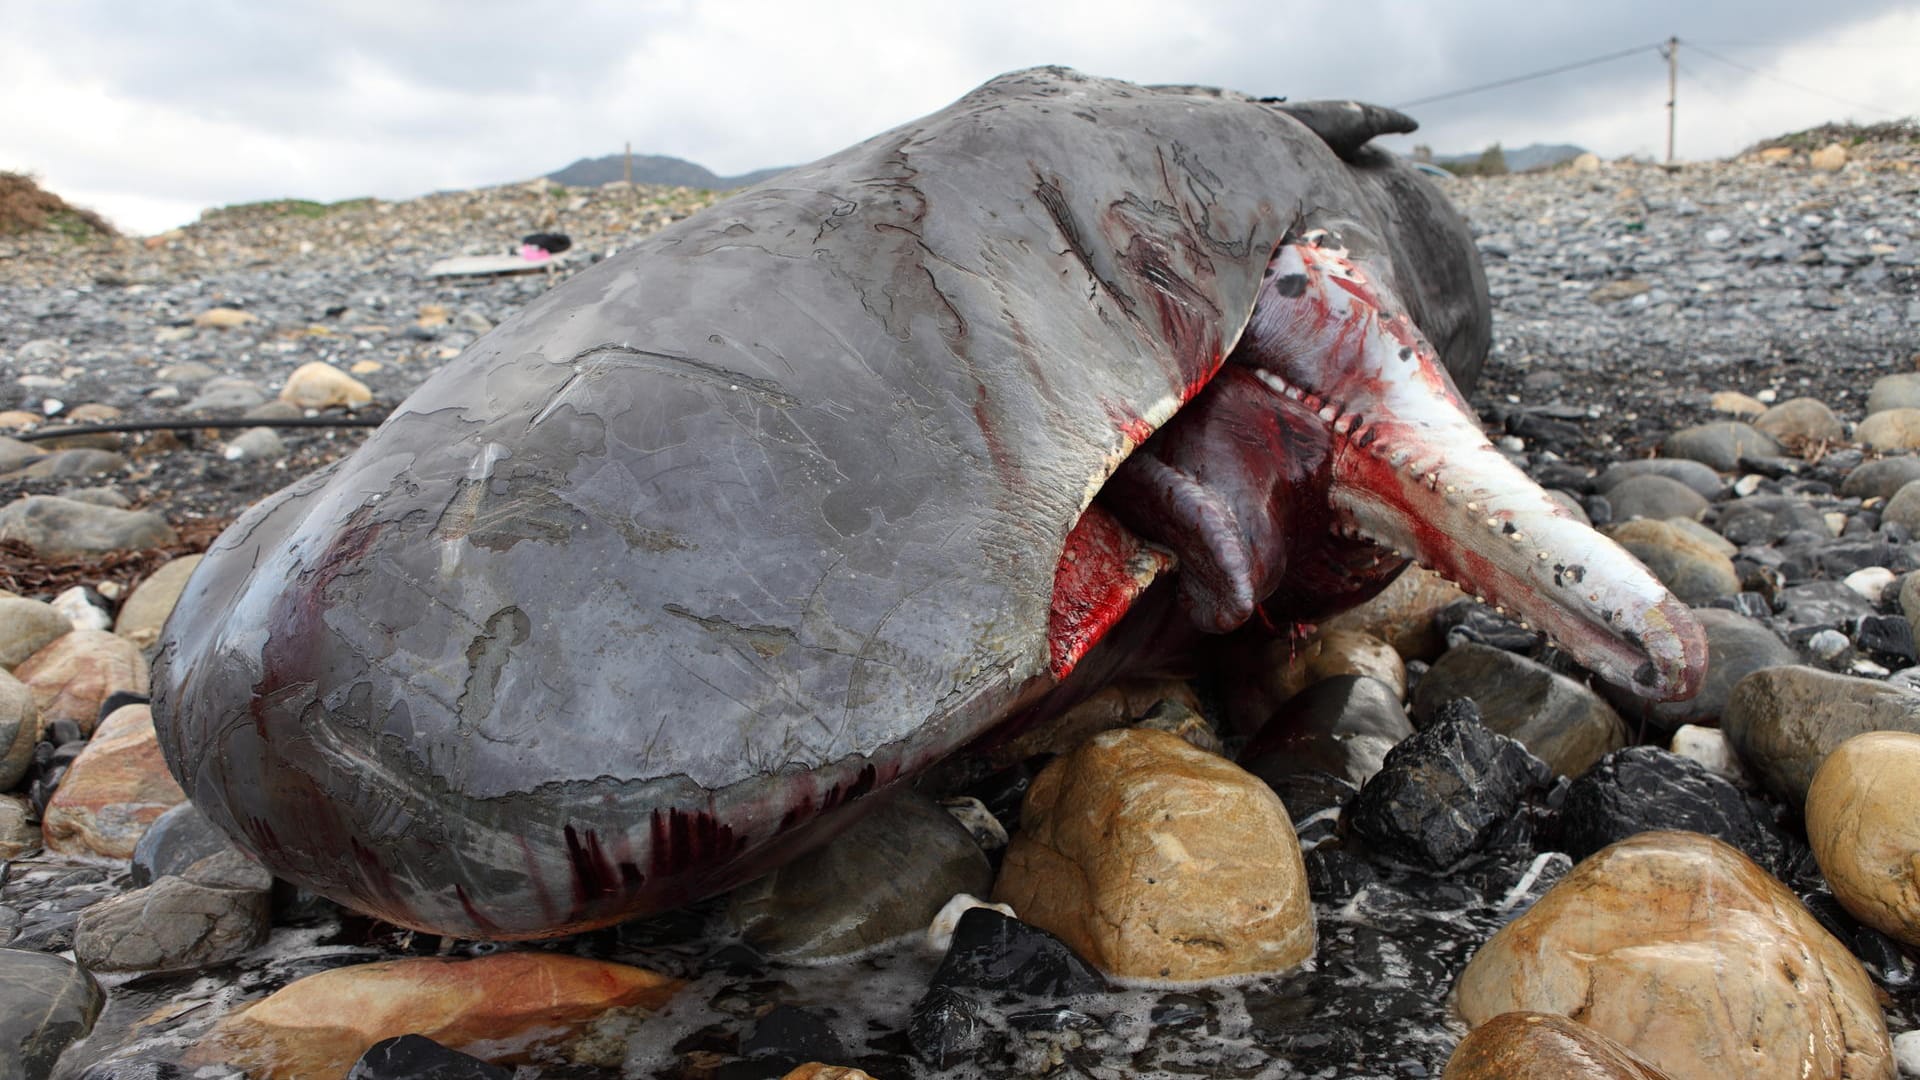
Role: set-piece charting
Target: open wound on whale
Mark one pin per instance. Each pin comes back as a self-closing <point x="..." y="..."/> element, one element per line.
<point x="1330" y="450"/>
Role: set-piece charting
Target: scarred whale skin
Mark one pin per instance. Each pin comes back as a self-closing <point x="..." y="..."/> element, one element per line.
<point x="649" y="588"/>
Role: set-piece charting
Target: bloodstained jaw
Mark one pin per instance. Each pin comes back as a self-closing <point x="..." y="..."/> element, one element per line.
<point x="1333" y="447"/>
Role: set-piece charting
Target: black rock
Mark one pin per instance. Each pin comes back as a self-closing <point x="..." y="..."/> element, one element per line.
<point x="792" y="1036"/>
<point x="1468" y="621"/>
<point x="947" y="1029"/>
<point x="991" y="955"/>
<point x="176" y="840"/>
<point x="1837" y="559"/>
<point x="1764" y="519"/>
<point x="1446" y="792"/>
<point x="46" y="1003"/>
<point x="1882" y="956"/>
<point x="416" y="1057"/>
<point x="995" y="953"/>
<point x="1643" y="788"/>
<point x="1888" y="637"/>
<point x="116" y="701"/>
<point x="64" y="731"/>
<point x="1824" y="604"/>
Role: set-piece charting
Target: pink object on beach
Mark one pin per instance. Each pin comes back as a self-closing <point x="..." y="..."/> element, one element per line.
<point x="534" y="254"/>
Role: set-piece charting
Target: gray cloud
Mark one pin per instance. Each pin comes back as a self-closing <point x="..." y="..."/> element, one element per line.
<point x="154" y="110"/>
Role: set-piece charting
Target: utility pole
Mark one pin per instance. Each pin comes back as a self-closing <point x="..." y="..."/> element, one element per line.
<point x="630" y="158"/>
<point x="1673" y="87"/>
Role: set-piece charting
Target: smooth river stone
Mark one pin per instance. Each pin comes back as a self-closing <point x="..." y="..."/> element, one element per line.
<point x="499" y="1008"/>
<point x="1863" y="820"/>
<point x="1156" y="860"/>
<point x="1784" y="721"/>
<point x="1679" y="947"/>
<point x="1526" y="1045"/>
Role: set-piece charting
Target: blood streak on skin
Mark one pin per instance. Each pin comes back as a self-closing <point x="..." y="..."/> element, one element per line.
<point x="1103" y="570"/>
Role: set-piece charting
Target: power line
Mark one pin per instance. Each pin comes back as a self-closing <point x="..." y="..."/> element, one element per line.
<point x="1711" y="55"/>
<point x="1577" y="64"/>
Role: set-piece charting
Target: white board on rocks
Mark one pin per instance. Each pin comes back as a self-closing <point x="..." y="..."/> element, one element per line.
<point x="489" y="265"/>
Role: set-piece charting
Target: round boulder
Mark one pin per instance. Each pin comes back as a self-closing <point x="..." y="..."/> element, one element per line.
<point x="1863" y="820"/>
<point x="1680" y="947"/>
<point x="1156" y="860"/>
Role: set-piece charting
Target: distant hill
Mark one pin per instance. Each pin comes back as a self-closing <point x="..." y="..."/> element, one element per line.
<point x="654" y="169"/>
<point x="1520" y="159"/>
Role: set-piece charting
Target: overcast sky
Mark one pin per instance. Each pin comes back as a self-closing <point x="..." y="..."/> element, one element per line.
<point x="151" y="111"/>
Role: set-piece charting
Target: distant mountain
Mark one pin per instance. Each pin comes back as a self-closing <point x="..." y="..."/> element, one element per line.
<point x="1520" y="159"/>
<point x="653" y="169"/>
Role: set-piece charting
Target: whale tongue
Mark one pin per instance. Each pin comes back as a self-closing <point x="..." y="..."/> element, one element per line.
<point x="1413" y="472"/>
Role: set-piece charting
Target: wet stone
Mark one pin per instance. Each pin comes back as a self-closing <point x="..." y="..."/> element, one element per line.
<point x="1701" y="479"/>
<point x="26" y="627"/>
<point x="174" y="924"/>
<point x="1558" y="720"/>
<point x="1881" y="478"/>
<point x="416" y="1057"/>
<point x="1643" y="788"/>
<point x="1655" y="497"/>
<point x="1720" y="445"/>
<point x="1545" y="1045"/>
<point x="1692" y="569"/>
<point x="1766" y="519"/>
<point x="886" y="876"/>
<point x="1446" y="792"/>
<point x="1343" y="726"/>
<point x="1900" y="391"/>
<point x="46" y="1004"/>
<point x="1784" y="721"/>
<point x="1471" y="622"/>
<point x="63" y="528"/>
<point x="991" y="955"/>
<point x="1823" y="603"/>
<point x="789" y="1036"/>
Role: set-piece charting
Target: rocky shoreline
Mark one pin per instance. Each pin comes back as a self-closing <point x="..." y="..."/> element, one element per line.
<point x="1426" y="800"/>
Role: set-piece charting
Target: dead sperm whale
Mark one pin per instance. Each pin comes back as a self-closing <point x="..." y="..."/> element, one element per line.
<point x="655" y="584"/>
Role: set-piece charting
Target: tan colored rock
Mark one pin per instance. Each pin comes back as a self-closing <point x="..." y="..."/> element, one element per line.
<point x="1802" y="420"/>
<point x="1737" y="405"/>
<point x="317" y="385"/>
<point x="17" y="834"/>
<point x="1863" y="821"/>
<point x="146" y="610"/>
<point x="1773" y="155"/>
<point x="1525" y="1045"/>
<point x="502" y="1008"/>
<point x="1156" y="860"/>
<point x="1890" y="430"/>
<point x="1829" y="158"/>
<point x="75" y="675"/>
<point x="366" y="367"/>
<point x="18" y="420"/>
<point x="1402" y="615"/>
<point x="113" y="790"/>
<point x="814" y="1070"/>
<point x="1588" y="162"/>
<point x="1693" y="569"/>
<point x="19" y="730"/>
<point x="1339" y="652"/>
<point x="224" y="318"/>
<point x="1679" y="947"/>
<point x="432" y="315"/>
<point x="1114" y="706"/>
<point x="1610" y="292"/>
<point x="26" y="627"/>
